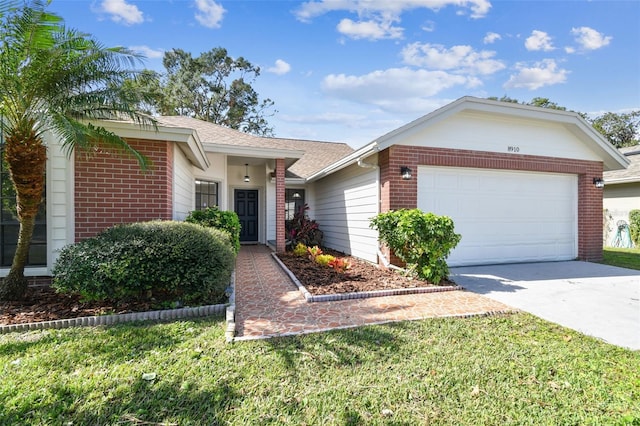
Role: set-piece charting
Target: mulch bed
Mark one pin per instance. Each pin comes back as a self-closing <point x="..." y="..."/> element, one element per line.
<point x="44" y="304"/>
<point x="362" y="276"/>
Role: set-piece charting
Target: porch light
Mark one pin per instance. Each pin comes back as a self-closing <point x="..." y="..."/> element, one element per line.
<point x="598" y="182"/>
<point x="246" y="173"/>
<point x="296" y="195"/>
<point x="405" y="172"/>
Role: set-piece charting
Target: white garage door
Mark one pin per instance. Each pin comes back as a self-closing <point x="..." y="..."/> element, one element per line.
<point x="503" y="216"/>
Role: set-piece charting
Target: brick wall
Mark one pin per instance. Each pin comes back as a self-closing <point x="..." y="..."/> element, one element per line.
<point x="397" y="193"/>
<point x="111" y="188"/>
<point x="280" y="195"/>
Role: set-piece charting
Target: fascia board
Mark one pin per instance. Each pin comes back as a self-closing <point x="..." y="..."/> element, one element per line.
<point x="187" y="138"/>
<point x="250" y="151"/>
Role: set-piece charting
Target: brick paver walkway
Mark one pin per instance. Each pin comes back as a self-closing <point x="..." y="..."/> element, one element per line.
<point x="268" y="304"/>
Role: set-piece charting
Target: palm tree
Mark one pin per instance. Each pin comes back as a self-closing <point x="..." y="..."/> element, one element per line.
<point x="54" y="79"/>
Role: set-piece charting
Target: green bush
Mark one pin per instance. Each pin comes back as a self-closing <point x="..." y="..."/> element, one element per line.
<point x="172" y="260"/>
<point x="634" y="226"/>
<point x="422" y="240"/>
<point x="212" y="217"/>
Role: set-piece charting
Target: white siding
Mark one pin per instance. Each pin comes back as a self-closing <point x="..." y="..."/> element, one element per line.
<point x="183" y="185"/>
<point x="344" y="203"/>
<point x="60" y="203"/>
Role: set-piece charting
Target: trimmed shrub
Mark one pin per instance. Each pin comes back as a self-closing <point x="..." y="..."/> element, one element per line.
<point x="422" y="240"/>
<point x="181" y="261"/>
<point x="212" y="217"/>
<point x="634" y="226"/>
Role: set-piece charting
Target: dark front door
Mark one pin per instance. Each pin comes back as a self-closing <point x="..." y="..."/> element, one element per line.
<point x="247" y="210"/>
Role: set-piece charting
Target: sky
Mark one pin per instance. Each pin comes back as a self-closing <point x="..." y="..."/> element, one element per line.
<point x="353" y="70"/>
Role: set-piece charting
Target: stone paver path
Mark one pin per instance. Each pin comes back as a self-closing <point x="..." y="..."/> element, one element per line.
<point x="268" y="304"/>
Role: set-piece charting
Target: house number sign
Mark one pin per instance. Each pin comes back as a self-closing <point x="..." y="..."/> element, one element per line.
<point x="513" y="149"/>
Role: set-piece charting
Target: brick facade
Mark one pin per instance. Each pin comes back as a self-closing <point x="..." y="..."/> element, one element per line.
<point x="280" y="207"/>
<point x="397" y="193"/>
<point x="111" y="189"/>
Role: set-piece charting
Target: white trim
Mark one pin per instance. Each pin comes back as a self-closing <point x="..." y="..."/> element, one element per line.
<point x="187" y="138"/>
<point x="252" y="151"/>
<point x="617" y="181"/>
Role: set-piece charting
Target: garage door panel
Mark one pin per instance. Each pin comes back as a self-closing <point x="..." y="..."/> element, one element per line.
<point x="503" y="216"/>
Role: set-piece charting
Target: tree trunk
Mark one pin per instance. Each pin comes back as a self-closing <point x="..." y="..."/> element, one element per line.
<point x="26" y="158"/>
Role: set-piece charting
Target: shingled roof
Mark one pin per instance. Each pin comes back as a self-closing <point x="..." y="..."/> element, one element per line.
<point x="317" y="155"/>
<point x="631" y="173"/>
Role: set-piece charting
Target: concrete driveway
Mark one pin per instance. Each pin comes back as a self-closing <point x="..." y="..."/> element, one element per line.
<point x="599" y="300"/>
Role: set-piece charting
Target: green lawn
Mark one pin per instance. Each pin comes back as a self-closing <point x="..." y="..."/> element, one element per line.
<point x="626" y="258"/>
<point x="514" y="369"/>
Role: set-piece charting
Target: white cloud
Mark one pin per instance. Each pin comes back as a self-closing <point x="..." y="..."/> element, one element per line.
<point x="314" y="8"/>
<point x="458" y="58"/>
<point x="544" y="73"/>
<point x="210" y="13"/>
<point x="280" y="68"/>
<point x="371" y="30"/>
<point x="121" y="11"/>
<point x="491" y="38"/>
<point x="394" y="89"/>
<point x="148" y="52"/>
<point x="590" y="39"/>
<point x="377" y="17"/>
<point x="539" y="40"/>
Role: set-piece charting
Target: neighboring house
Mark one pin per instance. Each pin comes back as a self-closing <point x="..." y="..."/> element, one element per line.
<point x="517" y="180"/>
<point x="621" y="192"/>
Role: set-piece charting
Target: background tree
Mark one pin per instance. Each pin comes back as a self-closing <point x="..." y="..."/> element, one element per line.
<point x="213" y="87"/>
<point x="620" y="129"/>
<point x="51" y="79"/>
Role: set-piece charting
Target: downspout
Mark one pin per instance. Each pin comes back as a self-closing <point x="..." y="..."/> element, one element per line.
<point x="385" y="261"/>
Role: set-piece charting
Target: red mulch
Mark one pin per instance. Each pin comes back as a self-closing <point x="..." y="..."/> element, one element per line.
<point x="362" y="276"/>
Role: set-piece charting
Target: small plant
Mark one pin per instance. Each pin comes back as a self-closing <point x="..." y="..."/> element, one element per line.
<point x="634" y="226"/>
<point x="300" y="250"/>
<point x="324" y="259"/>
<point x="422" y="240"/>
<point x="340" y="265"/>
<point x="314" y="252"/>
<point x="301" y="229"/>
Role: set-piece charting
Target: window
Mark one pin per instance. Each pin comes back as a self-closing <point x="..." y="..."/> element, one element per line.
<point x="9" y="225"/>
<point x="206" y="194"/>
<point x="293" y="200"/>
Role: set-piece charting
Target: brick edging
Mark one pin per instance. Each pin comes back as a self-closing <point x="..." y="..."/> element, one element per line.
<point x="360" y="295"/>
<point x="166" y="314"/>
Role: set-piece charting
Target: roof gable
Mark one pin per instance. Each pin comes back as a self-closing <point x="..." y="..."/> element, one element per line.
<point x="494" y="126"/>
